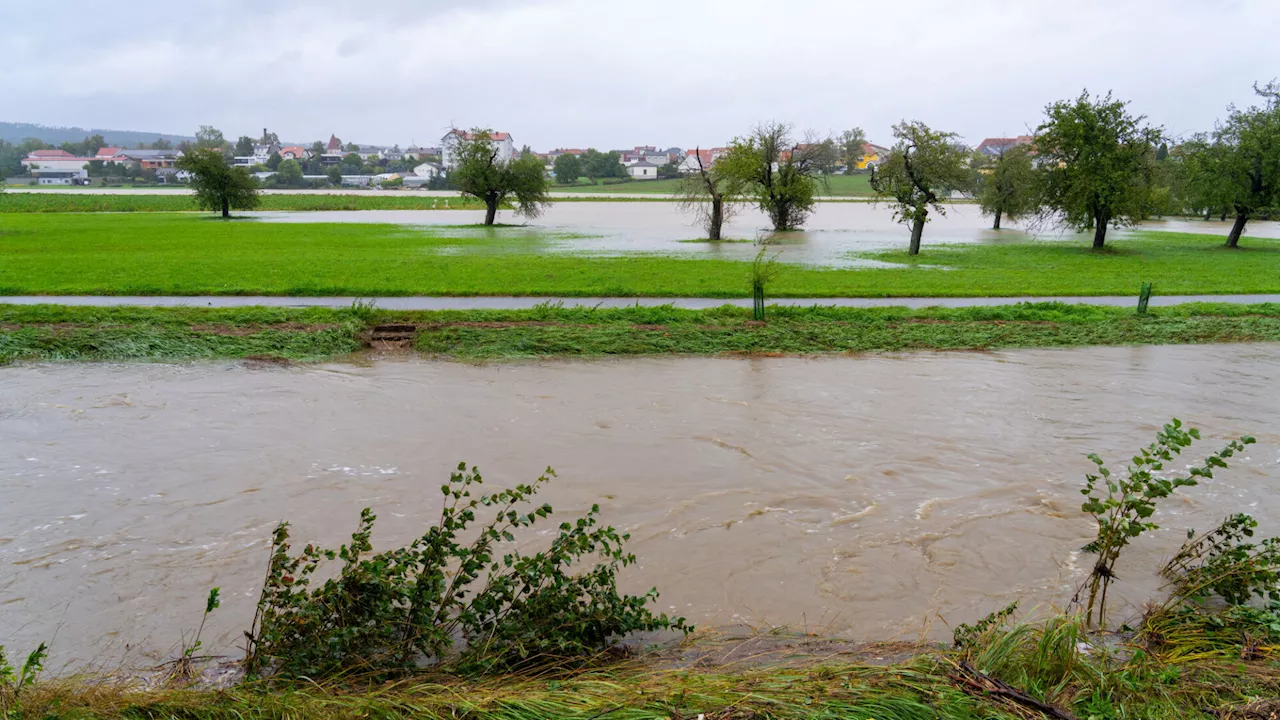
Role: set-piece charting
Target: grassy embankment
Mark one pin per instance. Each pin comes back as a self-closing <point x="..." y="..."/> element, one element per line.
<point x="1025" y="672"/>
<point x="55" y="332"/>
<point x="836" y="186"/>
<point x="177" y="254"/>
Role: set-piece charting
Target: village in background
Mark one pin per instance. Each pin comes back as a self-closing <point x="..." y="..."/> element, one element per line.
<point x="93" y="161"/>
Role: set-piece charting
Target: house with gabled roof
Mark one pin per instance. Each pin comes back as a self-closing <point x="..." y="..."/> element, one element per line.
<point x="501" y="141"/>
<point x="996" y="146"/>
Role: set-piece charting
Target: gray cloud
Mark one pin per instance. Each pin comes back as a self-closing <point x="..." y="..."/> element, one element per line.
<point x="621" y="72"/>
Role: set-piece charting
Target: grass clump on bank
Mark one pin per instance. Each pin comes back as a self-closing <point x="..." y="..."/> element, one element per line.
<point x="55" y="332"/>
<point x="180" y="254"/>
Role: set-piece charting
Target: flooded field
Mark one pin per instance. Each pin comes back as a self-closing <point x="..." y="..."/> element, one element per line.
<point x="868" y="497"/>
<point x="832" y="233"/>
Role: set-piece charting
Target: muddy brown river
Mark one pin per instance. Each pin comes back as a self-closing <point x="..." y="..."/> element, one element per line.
<point x="867" y="497"/>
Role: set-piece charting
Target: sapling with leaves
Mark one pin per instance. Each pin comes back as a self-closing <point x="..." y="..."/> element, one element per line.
<point x="13" y="681"/>
<point x="385" y="612"/>
<point x="763" y="271"/>
<point x="1122" y="505"/>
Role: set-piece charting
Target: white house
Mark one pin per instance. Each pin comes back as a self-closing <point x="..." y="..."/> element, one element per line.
<point x="426" y="170"/>
<point x="449" y="146"/>
<point x="690" y="164"/>
<point x="642" y="170"/>
<point x="57" y="167"/>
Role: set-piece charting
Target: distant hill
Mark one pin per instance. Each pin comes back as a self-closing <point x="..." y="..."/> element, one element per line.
<point x="17" y="132"/>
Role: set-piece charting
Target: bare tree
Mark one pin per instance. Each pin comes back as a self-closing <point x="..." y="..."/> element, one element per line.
<point x="711" y="196"/>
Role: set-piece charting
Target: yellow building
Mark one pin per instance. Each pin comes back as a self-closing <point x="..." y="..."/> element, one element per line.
<point x="872" y="156"/>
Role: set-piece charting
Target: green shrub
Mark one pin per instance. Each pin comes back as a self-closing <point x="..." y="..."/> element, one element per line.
<point x="393" y="610"/>
<point x="1223" y="562"/>
<point x="1124" y="512"/>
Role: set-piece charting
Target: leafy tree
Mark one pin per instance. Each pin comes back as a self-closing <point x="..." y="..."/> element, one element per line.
<point x="217" y="185"/>
<point x="1201" y="183"/>
<point x="851" y="142"/>
<point x="711" y="194"/>
<point x="1006" y="185"/>
<point x="335" y="175"/>
<point x="352" y="147"/>
<point x="597" y="165"/>
<point x="1096" y="163"/>
<point x="781" y="175"/>
<point x="289" y="172"/>
<point x="352" y="163"/>
<point x="273" y="162"/>
<point x="161" y="144"/>
<point x="827" y="156"/>
<point x="923" y="168"/>
<point x="211" y="137"/>
<point x="1246" y="160"/>
<point x="244" y="146"/>
<point x="1162" y="152"/>
<point x="568" y="168"/>
<point x="669" y="171"/>
<point x="480" y="174"/>
<point x="317" y="149"/>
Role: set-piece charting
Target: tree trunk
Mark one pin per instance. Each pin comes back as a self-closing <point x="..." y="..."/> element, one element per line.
<point x="917" y="229"/>
<point x="1233" y="239"/>
<point x="716" y="219"/>
<point x="1208" y="214"/>
<point x="490" y="210"/>
<point x="1099" y="230"/>
<point x="226" y="208"/>
<point x="1099" y="236"/>
<point x="996" y="225"/>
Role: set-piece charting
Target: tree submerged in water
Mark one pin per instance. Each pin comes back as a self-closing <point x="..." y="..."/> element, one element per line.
<point x="393" y="610"/>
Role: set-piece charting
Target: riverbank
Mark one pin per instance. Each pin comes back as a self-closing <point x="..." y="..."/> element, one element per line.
<point x="1046" y="669"/>
<point x="187" y="254"/>
<point x="54" y="332"/>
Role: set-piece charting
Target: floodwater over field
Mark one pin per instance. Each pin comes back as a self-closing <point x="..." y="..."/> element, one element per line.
<point x="859" y="496"/>
<point x="833" y="232"/>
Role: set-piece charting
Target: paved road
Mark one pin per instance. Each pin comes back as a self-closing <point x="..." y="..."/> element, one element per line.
<point x="518" y="303"/>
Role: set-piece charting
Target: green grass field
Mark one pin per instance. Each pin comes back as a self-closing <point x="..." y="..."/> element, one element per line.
<point x="58" y="332"/>
<point x="837" y="186"/>
<point x="160" y="254"/>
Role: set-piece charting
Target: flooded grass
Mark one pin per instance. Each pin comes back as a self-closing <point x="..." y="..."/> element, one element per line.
<point x="54" y="332"/>
<point x="183" y="254"/>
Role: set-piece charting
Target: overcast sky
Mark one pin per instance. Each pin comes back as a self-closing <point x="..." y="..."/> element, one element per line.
<point x="619" y="73"/>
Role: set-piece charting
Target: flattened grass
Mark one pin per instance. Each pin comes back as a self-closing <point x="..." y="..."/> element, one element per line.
<point x="55" y="332"/>
<point x="173" y="254"/>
